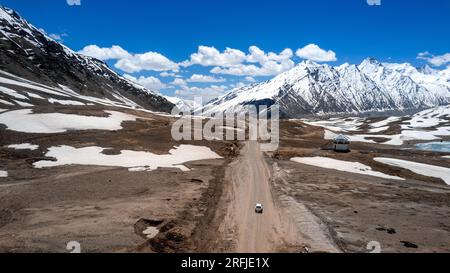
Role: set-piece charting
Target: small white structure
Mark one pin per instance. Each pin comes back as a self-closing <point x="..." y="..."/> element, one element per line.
<point x="341" y="143"/>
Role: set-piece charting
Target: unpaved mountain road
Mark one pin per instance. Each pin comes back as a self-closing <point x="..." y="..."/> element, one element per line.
<point x="250" y="184"/>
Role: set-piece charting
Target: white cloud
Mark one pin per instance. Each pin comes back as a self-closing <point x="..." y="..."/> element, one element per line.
<point x="105" y="53"/>
<point x="204" y="78"/>
<point x="434" y="60"/>
<point x="259" y="56"/>
<point x="178" y="82"/>
<point x="237" y="85"/>
<point x="151" y="83"/>
<point x="74" y="2"/>
<point x="54" y="36"/>
<point x="270" y="68"/>
<point x="207" y="93"/>
<point x="210" y="56"/>
<point x="57" y="37"/>
<point x="235" y="62"/>
<point x="128" y="62"/>
<point x="250" y="79"/>
<point x="147" y="61"/>
<point x="314" y="53"/>
<point x="168" y="74"/>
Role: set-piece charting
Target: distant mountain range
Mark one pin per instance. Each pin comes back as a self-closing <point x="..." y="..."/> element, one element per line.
<point x="30" y="54"/>
<point x="311" y="88"/>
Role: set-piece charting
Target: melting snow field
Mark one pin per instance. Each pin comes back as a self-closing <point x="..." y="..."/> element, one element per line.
<point x="134" y="160"/>
<point x="337" y="124"/>
<point x="419" y="168"/>
<point x="3" y="174"/>
<point x="25" y="121"/>
<point x="385" y="122"/>
<point x="340" y="165"/>
<point x="414" y="129"/>
<point x="428" y="118"/>
<point x="24" y="146"/>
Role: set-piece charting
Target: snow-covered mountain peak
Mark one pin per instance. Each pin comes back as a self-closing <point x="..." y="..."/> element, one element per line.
<point x="311" y="88"/>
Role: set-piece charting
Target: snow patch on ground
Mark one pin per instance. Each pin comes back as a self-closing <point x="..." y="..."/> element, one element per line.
<point x="337" y="124"/>
<point x="134" y="160"/>
<point x="25" y="121"/>
<point x="385" y="122"/>
<point x="151" y="232"/>
<point x="340" y="165"/>
<point x="378" y="129"/>
<point x="24" y="146"/>
<point x="419" y="168"/>
<point x="428" y="118"/>
<point x="413" y="129"/>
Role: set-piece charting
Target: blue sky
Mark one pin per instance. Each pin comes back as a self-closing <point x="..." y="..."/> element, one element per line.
<point x="331" y="32"/>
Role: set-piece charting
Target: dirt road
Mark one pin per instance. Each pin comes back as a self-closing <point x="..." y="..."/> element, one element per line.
<point x="250" y="179"/>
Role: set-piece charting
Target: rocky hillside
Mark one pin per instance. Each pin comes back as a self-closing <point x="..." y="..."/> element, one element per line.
<point x="28" y="53"/>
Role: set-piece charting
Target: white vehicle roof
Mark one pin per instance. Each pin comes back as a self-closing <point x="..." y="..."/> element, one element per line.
<point x="259" y="205"/>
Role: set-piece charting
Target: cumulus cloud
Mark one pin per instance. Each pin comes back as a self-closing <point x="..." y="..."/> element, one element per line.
<point x="147" y="61"/>
<point x="314" y="53"/>
<point x="73" y="2"/>
<point x="131" y="63"/>
<point x="168" y="74"/>
<point x="105" y="53"/>
<point x="210" y="56"/>
<point x="250" y="79"/>
<point x="151" y="82"/>
<point x="235" y="62"/>
<point x="237" y="85"/>
<point x="178" y="82"/>
<point x="259" y="56"/>
<point x="204" y="78"/>
<point x="207" y="93"/>
<point x="439" y="60"/>
<point x="270" y="68"/>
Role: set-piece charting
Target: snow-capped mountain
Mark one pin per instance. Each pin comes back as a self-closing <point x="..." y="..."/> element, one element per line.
<point x="436" y="81"/>
<point x="406" y="93"/>
<point x="182" y="104"/>
<point x="311" y="88"/>
<point x="28" y="55"/>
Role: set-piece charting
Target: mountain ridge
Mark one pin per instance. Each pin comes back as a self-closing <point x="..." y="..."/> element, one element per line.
<point x="312" y="88"/>
<point x="28" y="52"/>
